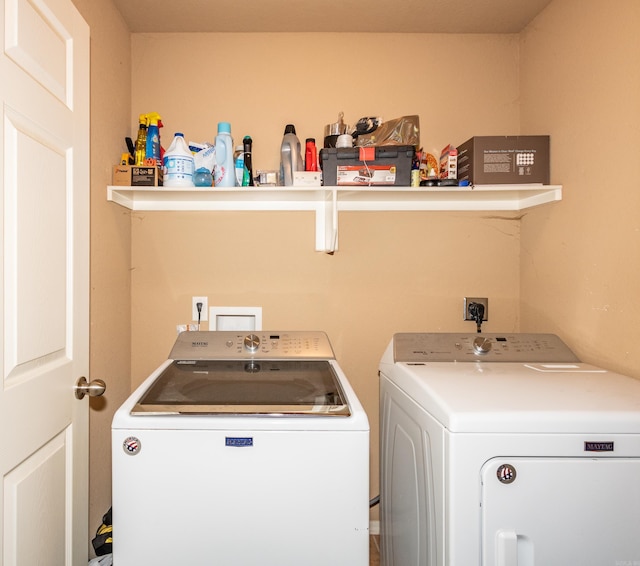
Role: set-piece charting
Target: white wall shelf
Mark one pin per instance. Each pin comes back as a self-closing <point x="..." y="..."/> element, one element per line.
<point x="326" y="202"/>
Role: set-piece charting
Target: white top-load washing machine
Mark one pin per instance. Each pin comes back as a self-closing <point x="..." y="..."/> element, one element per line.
<point x="505" y="450"/>
<point x="242" y="449"/>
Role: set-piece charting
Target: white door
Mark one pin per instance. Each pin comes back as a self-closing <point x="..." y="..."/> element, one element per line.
<point x="44" y="282"/>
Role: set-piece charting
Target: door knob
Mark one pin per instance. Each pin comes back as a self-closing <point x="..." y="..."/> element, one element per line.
<point x="94" y="389"/>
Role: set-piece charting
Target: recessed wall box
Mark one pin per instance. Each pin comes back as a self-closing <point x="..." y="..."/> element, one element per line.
<point x="235" y="318"/>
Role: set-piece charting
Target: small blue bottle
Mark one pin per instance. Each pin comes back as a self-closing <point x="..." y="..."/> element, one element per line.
<point x="202" y="177"/>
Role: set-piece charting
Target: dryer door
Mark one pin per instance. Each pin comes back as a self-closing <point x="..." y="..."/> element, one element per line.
<point x="559" y="511"/>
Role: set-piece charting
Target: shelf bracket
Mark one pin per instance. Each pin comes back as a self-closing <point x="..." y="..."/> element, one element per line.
<point x="327" y="223"/>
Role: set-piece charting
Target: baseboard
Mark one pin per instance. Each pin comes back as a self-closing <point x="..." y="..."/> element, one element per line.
<point x="374" y="527"/>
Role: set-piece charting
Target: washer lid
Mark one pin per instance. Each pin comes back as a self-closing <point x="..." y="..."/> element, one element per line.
<point x="245" y="387"/>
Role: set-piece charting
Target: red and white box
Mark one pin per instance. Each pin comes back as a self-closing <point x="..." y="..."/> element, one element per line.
<point x="449" y="163"/>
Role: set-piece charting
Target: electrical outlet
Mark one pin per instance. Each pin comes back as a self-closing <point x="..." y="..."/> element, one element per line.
<point x="204" y="313"/>
<point x="478" y="300"/>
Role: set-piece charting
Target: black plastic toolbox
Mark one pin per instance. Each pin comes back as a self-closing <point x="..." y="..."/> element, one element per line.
<point x="367" y="166"/>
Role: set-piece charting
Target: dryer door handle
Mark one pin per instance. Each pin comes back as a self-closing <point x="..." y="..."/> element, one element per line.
<point x="506" y="548"/>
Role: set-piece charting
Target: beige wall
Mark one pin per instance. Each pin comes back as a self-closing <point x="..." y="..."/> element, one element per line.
<point x="110" y="331"/>
<point x="579" y="259"/>
<point x="393" y="271"/>
<point x="260" y="82"/>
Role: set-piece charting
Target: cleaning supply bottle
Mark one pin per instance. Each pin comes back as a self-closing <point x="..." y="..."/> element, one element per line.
<point x="153" y="137"/>
<point x="178" y="164"/>
<point x="224" y="171"/>
<point x="238" y="159"/>
<point x="202" y="177"/>
<point x="141" y="141"/>
<point x="290" y="156"/>
<point x="247" y="178"/>
<point x="310" y="155"/>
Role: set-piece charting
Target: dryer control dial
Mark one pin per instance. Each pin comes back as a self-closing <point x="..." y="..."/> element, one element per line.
<point x="481" y="345"/>
<point x="251" y="342"/>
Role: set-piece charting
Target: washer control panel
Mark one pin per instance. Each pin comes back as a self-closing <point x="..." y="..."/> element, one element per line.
<point x="451" y="347"/>
<point x="234" y="345"/>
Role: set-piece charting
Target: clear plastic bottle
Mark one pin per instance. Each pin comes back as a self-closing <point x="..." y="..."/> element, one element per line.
<point x="178" y="164"/>
<point x="224" y="171"/>
<point x="238" y="160"/>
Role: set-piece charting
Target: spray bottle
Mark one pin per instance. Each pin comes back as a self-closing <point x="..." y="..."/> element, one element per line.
<point x="141" y="141"/>
<point x="153" y="137"/>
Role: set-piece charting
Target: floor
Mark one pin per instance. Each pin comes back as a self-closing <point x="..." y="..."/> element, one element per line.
<point x="374" y="550"/>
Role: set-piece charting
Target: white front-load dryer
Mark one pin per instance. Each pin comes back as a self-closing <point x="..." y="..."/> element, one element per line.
<point x="505" y="450"/>
<point x="242" y="450"/>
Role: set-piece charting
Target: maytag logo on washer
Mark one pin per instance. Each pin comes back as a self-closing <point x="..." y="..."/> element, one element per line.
<point x="131" y="445"/>
<point x="238" y="441"/>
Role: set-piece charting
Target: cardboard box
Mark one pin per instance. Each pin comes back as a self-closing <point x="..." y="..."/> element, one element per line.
<point x="449" y="163"/>
<point x="367" y="166"/>
<point x="307" y="178"/>
<point x="496" y="160"/>
<point x="135" y="176"/>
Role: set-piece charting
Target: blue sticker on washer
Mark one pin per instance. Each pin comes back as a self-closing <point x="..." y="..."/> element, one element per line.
<point x="239" y="441"/>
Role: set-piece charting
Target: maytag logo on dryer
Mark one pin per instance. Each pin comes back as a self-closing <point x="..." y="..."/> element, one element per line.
<point x="199" y="344"/>
<point x="598" y="446"/>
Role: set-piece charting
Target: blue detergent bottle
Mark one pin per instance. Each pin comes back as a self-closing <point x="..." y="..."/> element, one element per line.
<point x="153" y="137"/>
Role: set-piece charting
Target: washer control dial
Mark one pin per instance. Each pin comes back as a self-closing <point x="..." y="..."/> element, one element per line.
<point x="251" y="342"/>
<point x="481" y="345"/>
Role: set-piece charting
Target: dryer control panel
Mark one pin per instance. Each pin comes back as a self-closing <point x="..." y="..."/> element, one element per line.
<point x="471" y="347"/>
<point x="238" y="345"/>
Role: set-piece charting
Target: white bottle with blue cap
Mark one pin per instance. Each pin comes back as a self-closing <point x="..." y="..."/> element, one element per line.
<point x="224" y="170"/>
<point x="177" y="163"/>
